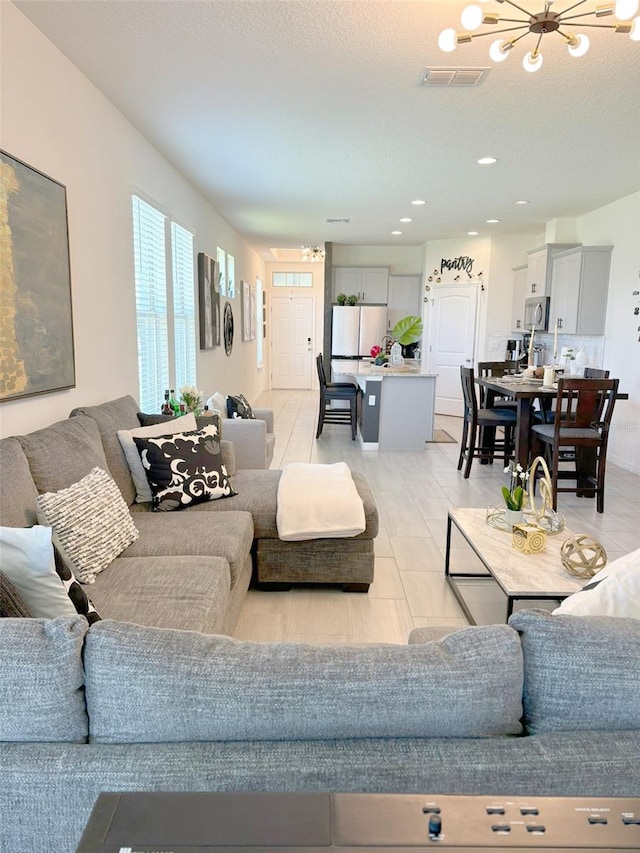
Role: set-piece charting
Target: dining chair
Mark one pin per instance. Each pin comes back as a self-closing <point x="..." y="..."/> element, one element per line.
<point x="584" y="408"/>
<point x="595" y="373"/>
<point x="487" y="369"/>
<point x="330" y="391"/>
<point x="485" y="420"/>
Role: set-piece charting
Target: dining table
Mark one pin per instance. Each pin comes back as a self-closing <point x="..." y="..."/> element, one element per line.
<point x="525" y="391"/>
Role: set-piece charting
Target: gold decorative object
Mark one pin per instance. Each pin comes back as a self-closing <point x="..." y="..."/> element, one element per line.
<point x="529" y="538"/>
<point x="583" y="556"/>
<point x="545" y="516"/>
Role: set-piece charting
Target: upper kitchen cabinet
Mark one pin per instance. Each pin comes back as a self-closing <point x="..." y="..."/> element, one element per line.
<point x="579" y="287"/>
<point x="404" y="297"/>
<point x="520" y="278"/>
<point x="369" y="284"/>
<point x="539" y="268"/>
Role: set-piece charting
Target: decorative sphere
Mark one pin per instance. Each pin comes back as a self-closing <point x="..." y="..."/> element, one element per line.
<point x="583" y="556"/>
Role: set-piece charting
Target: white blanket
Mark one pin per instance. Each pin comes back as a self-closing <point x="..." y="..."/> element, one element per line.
<point x="318" y="502"/>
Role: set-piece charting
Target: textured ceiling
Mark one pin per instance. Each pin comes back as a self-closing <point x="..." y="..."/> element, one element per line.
<point x="285" y="113"/>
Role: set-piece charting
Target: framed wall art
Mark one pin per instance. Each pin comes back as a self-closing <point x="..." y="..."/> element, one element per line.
<point x="36" y="321"/>
<point x="209" y="301"/>
<point x="248" y="311"/>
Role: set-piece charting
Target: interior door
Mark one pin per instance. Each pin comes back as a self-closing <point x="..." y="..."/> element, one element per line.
<point x="451" y="341"/>
<point x="291" y="341"/>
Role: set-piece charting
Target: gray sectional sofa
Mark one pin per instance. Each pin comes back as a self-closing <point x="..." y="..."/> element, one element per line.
<point x="188" y="569"/>
<point x="549" y="705"/>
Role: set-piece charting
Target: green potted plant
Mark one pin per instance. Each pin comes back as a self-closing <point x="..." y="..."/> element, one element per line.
<point x="515" y="493"/>
<point x="341" y="299"/>
<point x="352" y="299"/>
<point x="407" y="332"/>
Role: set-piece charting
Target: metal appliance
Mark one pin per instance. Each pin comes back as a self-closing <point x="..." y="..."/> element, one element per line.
<point x="356" y="328"/>
<point x="514" y="349"/>
<point x="536" y="313"/>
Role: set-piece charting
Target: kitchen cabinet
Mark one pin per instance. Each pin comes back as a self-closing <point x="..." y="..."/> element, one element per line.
<point x="579" y="288"/>
<point x="404" y="298"/>
<point x="369" y="284"/>
<point x="519" y="295"/>
<point x="539" y="267"/>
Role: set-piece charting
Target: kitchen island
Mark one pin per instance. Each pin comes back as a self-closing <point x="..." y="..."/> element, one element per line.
<point x="397" y="408"/>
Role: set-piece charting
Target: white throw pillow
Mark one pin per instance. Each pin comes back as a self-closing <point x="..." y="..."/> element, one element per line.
<point x="614" y="591"/>
<point x="186" y="423"/>
<point x="91" y="523"/>
<point x="218" y="402"/>
<point x="26" y="558"/>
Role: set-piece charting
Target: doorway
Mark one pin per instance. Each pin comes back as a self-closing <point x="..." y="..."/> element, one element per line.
<point x="452" y="341"/>
<point x="291" y="341"/>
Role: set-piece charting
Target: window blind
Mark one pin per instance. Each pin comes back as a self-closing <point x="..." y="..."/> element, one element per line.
<point x="151" y="303"/>
<point x="184" y="306"/>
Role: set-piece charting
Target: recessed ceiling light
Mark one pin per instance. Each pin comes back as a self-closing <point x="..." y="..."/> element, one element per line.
<point x="396" y="232"/>
<point x="492" y="221"/>
<point x="522" y="201"/>
<point x="418" y="201"/>
<point x="406" y="219"/>
<point x="487" y="161"/>
<point x="472" y="233"/>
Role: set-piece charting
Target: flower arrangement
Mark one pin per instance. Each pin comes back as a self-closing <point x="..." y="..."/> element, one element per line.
<point x="192" y="399"/>
<point x="515" y="493"/>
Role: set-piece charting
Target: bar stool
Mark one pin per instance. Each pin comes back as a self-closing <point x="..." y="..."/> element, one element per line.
<point x="336" y="391"/>
<point x="484" y="419"/>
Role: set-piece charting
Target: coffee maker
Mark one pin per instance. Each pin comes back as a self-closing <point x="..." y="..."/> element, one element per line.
<point x="514" y="349"/>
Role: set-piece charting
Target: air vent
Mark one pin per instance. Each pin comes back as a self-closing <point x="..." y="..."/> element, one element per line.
<point x="333" y="221"/>
<point x="453" y="76"/>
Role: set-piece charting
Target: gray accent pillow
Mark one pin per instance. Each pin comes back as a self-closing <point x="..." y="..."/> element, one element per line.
<point x="91" y="523"/>
<point x="581" y="673"/>
<point x="154" y="685"/>
<point x="184" y="469"/>
<point x="41" y="680"/>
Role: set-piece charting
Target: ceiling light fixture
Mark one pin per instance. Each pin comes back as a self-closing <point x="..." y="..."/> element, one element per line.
<point x="492" y="221"/>
<point x="472" y="233"/>
<point x="396" y="232"/>
<point x="313" y="253"/>
<point x="522" y="201"/>
<point x="487" y="161"/>
<point x="406" y="219"/>
<point x="418" y="201"/>
<point x="540" y="24"/>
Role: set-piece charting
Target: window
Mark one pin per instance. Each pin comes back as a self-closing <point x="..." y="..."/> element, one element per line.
<point x="259" y="320"/>
<point x="165" y="303"/>
<point x="231" y="276"/>
<point x="292" y="279"/>
<point x="221" y="256"/>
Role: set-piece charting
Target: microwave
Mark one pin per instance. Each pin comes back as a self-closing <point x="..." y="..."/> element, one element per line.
<point x="536" y="313"/>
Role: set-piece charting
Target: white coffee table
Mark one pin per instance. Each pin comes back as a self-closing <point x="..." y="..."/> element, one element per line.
<point x="532" y="577"/>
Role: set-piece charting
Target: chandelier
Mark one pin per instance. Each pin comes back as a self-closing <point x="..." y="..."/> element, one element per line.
<point x="313" y="253"/>
<point x="540" y="24"/>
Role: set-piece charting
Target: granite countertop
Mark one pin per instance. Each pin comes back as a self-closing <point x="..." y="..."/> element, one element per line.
<point x="365" y="368"/>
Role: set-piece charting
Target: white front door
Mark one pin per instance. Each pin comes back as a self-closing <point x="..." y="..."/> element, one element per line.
<point x="451" y="341"/>
<point x="291" y="341"/>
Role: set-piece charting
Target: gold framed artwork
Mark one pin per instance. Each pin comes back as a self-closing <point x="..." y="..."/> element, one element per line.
<point x="36" y="320"/>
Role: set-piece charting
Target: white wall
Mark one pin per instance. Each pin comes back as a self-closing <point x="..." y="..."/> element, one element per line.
<point x="56" y="121"/>
<point x="401" y="260"/>
<point x="618" y="224"/>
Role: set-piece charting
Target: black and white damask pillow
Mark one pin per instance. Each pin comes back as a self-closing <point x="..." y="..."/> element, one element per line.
<point x="238" y="407"/>
<point x="184" y="469"/>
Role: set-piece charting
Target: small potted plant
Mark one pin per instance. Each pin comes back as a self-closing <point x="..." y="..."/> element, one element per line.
<point x="352" y="299"/>
<point x="407" y="332"/>
<point x="515" y="493"/>
<point x="192" y="399"/>
<point x="341" y="299"/>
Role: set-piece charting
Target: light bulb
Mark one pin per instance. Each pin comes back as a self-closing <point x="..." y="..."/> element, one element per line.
<point x="447" y="40"/>
<point x="471" y="17"/>
<point x="532" y="63"/>
<point x="635" y="30"/>
<point x="626" y="9"/>
<point x="498" y="50"/>
<point x="580" y="45"/>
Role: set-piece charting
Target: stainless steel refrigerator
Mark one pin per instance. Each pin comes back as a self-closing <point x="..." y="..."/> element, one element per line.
<point x="356" y="328"/>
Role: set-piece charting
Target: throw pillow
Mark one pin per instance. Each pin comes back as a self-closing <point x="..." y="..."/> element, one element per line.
<point x="26" y="559"/>
<point x="126" y="438"/>
<point x="184" y="469"/>
<point x="238" y="407"/>
<point x="218" y="402"/>
<point x="79" y="598"/>
<point x="211" y="416"/>
<point x="614" y="591"/>
<point x="91" y="523"/>
<point x="12" y="604"/>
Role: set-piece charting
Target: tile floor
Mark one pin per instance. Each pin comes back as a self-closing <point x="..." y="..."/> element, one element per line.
<point x="413" y="492"/>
